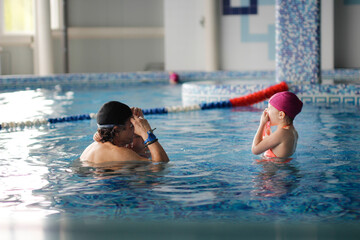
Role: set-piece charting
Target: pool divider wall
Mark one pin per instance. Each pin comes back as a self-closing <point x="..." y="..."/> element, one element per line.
<point x="197" y="93"/>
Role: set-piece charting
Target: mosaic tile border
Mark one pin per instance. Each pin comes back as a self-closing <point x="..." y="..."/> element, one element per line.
<point x="197" y="93"/>
<point x="243" y="82"/>
<point x="19" y="82"/>
<point x="14" y="82"/>
<point x="328" y="93"/>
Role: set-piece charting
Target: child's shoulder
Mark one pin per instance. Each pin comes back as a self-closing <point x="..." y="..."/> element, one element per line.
<point x="288" y="127"/>
<point x="288" y="131"/>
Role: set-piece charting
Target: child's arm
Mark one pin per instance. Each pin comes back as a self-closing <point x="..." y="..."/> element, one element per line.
<point x="261" y="144"/>
<point x="259" y="134"/>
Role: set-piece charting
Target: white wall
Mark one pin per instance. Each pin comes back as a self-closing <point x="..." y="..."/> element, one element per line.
<point x="17" y="60"/>
<point x="245" y="40"/>
<point x="182" y="47"/>
<point x="115" y="55"/>
<point x="110" y="54"/>
<point x="184" y="35"/>
<point x="116" y="13"/>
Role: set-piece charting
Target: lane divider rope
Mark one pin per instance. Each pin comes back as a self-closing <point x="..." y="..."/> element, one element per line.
<point x="246" y="100"/>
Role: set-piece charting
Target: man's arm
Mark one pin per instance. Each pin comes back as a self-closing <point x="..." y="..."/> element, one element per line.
<point x="142" y="128"/>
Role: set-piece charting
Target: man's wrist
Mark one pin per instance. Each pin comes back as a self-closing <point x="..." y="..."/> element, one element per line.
<point x="144" y="134"/>
<point x="151" y="138"/>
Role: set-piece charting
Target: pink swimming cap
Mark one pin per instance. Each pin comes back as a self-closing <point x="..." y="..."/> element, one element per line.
<point x="287" y="102"/>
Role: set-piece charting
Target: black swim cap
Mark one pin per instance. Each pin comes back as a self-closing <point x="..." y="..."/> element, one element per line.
<point x="113" y="113"/>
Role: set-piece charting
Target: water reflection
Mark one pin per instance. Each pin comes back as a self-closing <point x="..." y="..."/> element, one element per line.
<point x="106" y="169"/>
<point x="276" y="179"/>
<point x="20" y="174"/>
<point x="111" y="190"/>
<point x="31" y="104"/>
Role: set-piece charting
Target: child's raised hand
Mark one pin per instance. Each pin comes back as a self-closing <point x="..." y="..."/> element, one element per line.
<point x="97" y="137"/>
<point x="137" y="112"/>
<point x="264" y="117"/>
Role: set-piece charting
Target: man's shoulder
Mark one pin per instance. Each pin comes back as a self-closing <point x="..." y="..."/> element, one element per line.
<point x="122" y="154"/>
<point x="105" y="152"/>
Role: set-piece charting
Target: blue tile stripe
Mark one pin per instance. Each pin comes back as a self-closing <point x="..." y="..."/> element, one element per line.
<point x="18" y="82"/>
<point x="268" y="37"/>
<point x="298" y="41"/>
<point x="14" y="83"/>
<point x="252" y="7"/>
<point x="266" y="2"/>
<point x="351" y="100"/>
<point x="229" y="10"/>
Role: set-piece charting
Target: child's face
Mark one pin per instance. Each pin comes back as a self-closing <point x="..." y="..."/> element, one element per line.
<point x="126" y="135"/>
<point x="273" y="113"/>
<point x="138" y="143"/>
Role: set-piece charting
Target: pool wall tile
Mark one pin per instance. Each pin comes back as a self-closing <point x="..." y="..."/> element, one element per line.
<point x="217" y="88"/>
<point x="298" y="41"/>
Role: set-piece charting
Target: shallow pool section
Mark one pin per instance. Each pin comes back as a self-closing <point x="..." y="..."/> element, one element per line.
<point x="212" y="176"/>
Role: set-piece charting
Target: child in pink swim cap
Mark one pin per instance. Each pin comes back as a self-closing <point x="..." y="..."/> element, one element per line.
<point x="281" y="111"/>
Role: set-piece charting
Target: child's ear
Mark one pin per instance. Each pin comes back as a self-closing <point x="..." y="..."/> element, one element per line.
<point x="281" y="115"/>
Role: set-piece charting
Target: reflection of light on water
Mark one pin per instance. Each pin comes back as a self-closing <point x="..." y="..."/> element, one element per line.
<point x="20" y="175"/>
<point x="276" y="179"/>
<point x="187" y="196"/>
<point x="30" y="104"/>
<point x="24" y="105"/>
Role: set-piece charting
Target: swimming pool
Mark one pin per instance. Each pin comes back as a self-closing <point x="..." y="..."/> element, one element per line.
<point x="212" y="176"/>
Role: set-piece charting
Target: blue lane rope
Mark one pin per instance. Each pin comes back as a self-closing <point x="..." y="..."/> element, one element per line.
<point x="70" y="118"/>
<point x="150" y="111"/>
<point x="234" y="102"/>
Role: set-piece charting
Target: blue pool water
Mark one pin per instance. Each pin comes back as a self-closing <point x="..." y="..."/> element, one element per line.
<point x="212" y="175"/>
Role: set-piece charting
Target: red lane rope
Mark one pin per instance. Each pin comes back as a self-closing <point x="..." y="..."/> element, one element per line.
<point x="259" y="96"/>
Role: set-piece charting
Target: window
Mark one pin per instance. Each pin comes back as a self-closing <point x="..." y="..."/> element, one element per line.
<point x="18" y="16"/>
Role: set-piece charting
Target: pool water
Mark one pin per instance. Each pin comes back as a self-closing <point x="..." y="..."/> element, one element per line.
<point x="212" y="175"/>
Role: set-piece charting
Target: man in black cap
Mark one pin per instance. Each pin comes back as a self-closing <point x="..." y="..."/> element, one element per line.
<point x="117" y="125"/>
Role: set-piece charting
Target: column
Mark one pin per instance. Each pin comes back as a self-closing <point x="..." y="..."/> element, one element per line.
<point x="298" y="41"/>
<point x="43" y="39"/>
<point x="0" y="60"/>
<point x="211" y="35"/>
